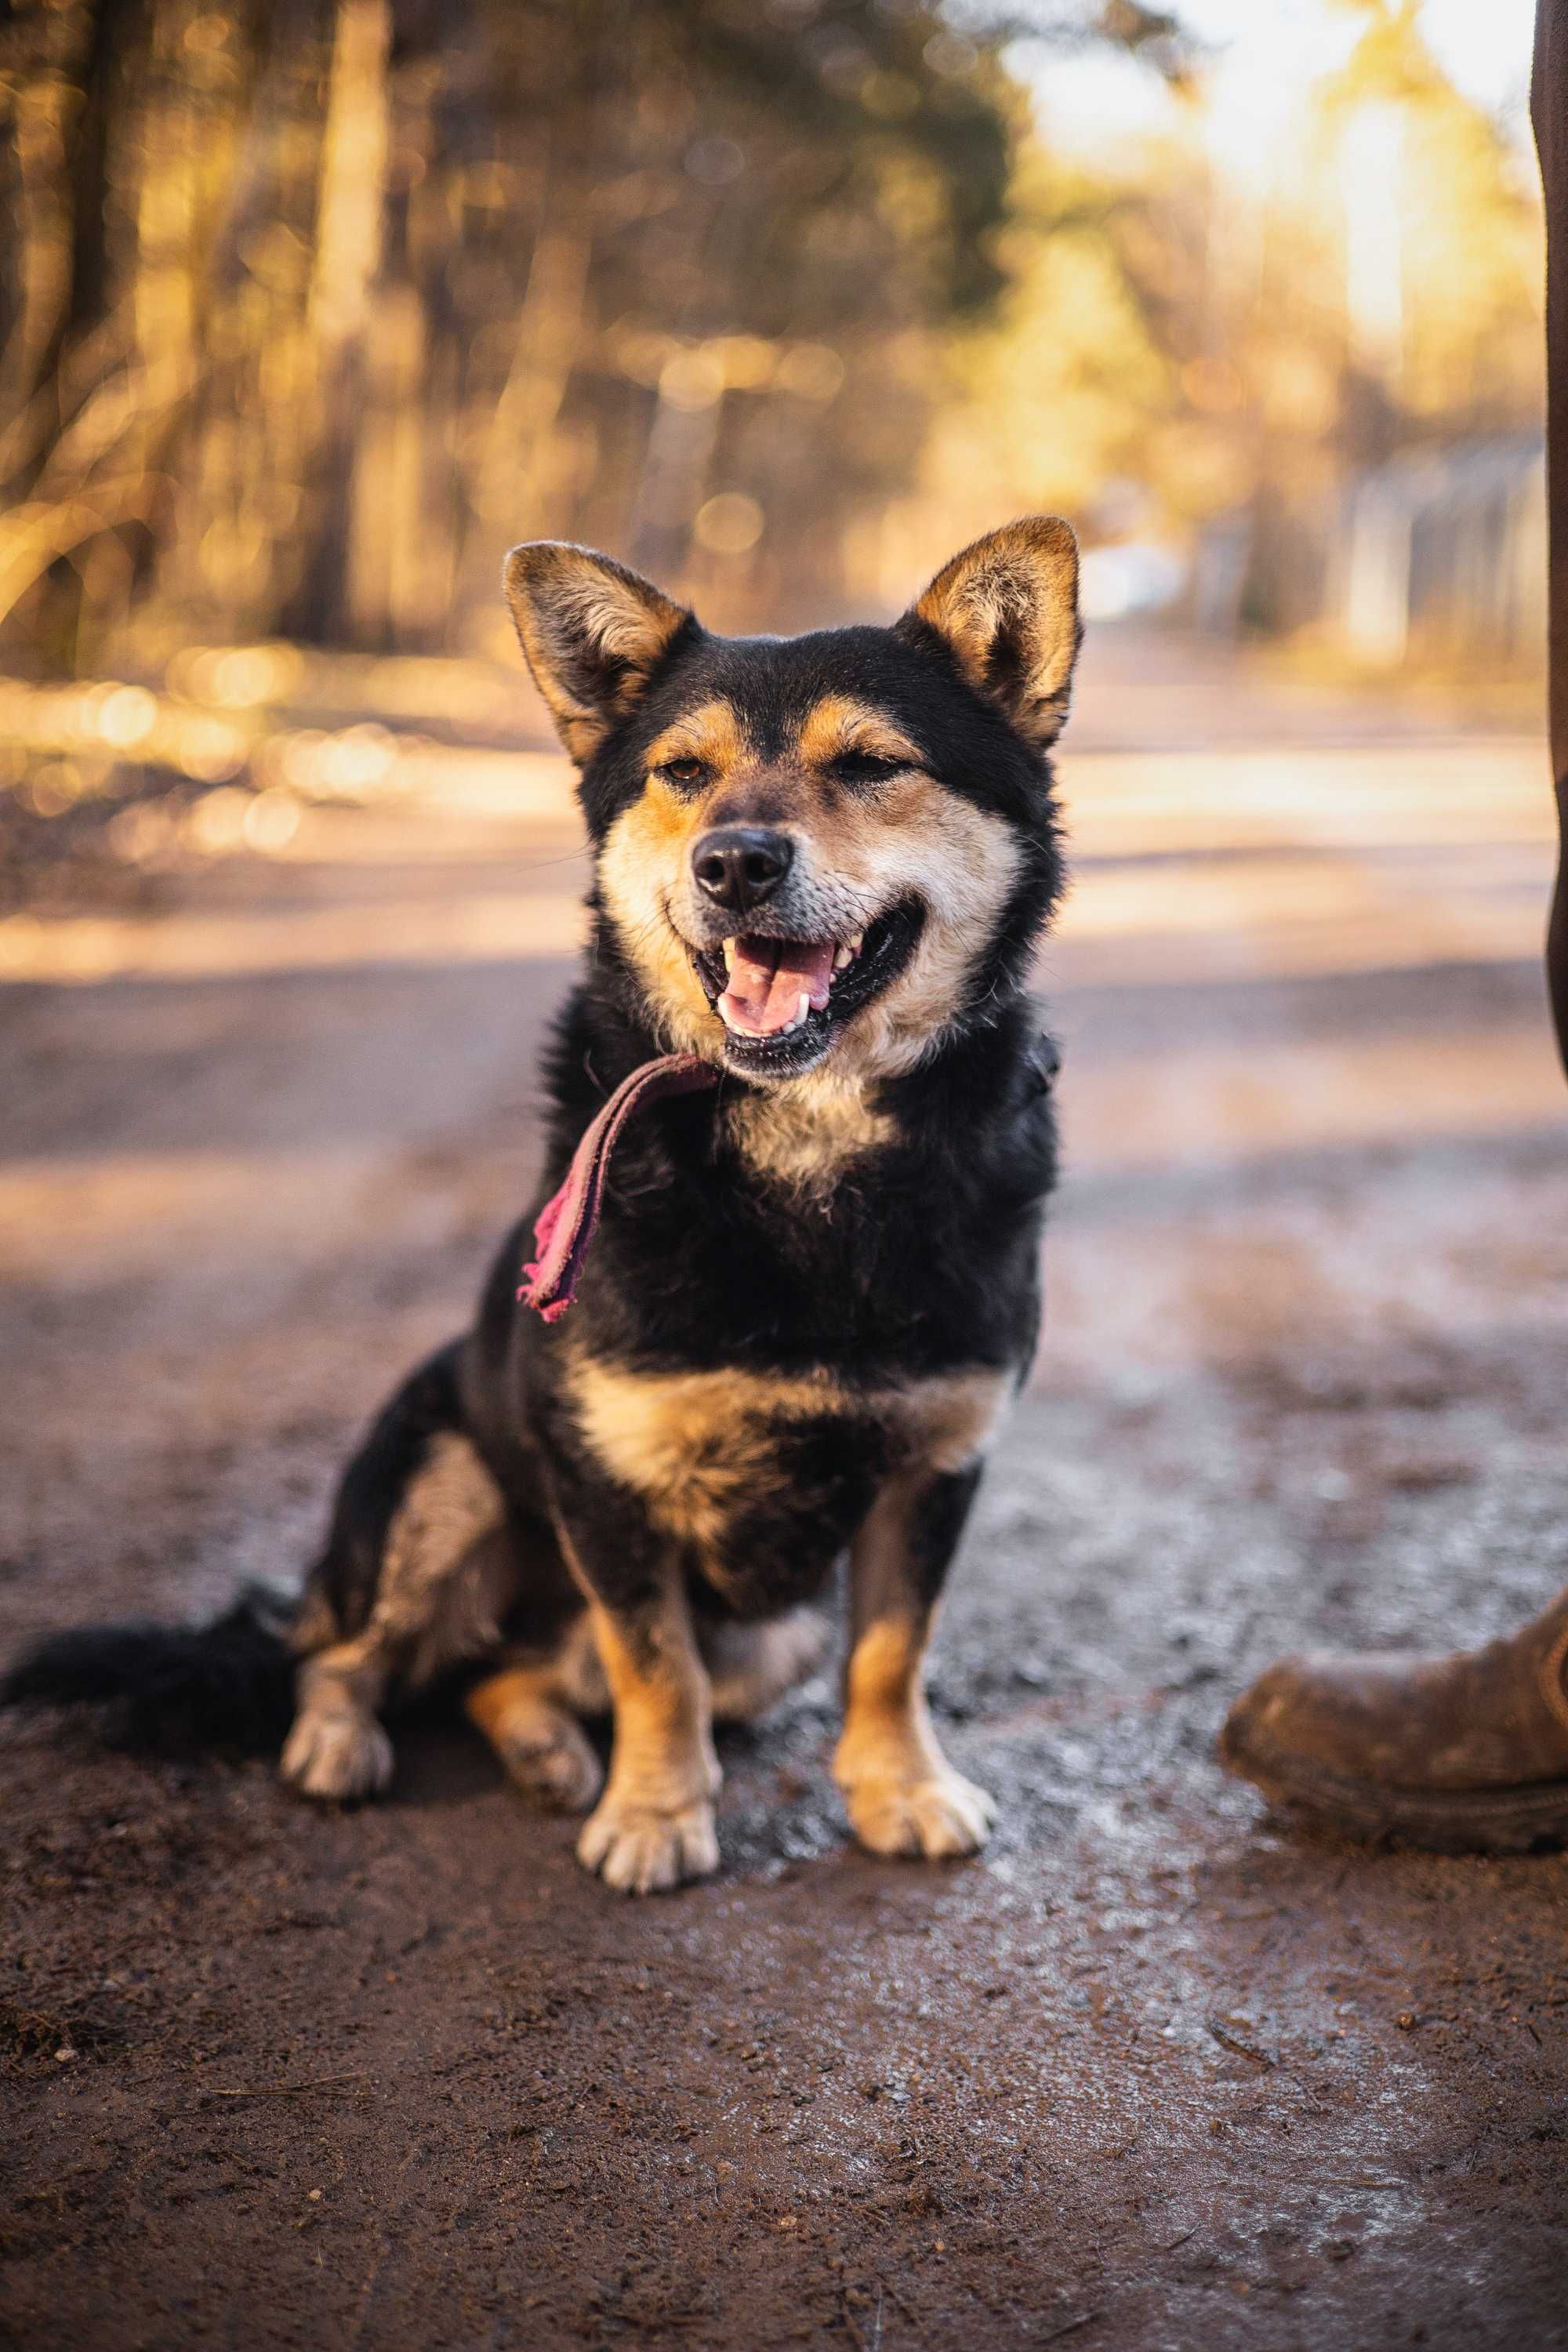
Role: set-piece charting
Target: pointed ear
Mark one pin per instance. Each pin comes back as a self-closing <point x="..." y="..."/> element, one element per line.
<point x="592" y="633"/>
<point x="1006" y="610"/>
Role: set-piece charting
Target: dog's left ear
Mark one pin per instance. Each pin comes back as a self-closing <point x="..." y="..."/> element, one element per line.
<point x="593" y="633"/>
<point x="1006" y="610"/>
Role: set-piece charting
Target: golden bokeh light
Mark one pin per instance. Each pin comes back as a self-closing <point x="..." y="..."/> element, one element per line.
<point x="729" y="524"/>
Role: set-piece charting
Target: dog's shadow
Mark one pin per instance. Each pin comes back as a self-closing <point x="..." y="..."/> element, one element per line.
<point x="779" y="1812"/>
<point x="441" y="1763"/>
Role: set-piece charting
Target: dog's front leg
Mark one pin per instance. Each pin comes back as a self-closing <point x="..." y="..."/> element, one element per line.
<point x="902" y="1794"/>
<point x="653" y="1827"/>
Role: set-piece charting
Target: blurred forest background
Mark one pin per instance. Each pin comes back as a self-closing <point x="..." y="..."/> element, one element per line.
<point x="310" y="307"/>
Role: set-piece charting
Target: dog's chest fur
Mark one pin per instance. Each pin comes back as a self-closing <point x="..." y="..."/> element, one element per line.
<point x="754" y="1357"/>
<point x="763" y="1477"/>
<point x="887" y="1236"/>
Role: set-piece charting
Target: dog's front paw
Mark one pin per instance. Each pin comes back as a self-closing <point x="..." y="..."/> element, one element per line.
<point x="935" y="1814"/>
<point x="336" y="1756"/>
<point x="640" y="1852"/>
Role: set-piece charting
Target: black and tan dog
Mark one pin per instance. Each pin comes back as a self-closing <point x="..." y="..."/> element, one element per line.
<point x="821" y="866"/>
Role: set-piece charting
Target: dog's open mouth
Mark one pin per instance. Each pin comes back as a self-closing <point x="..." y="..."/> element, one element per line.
<point x="781" y="998"/>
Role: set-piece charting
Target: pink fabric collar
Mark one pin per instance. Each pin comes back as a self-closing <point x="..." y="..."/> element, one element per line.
<point x="564" y="1227"/>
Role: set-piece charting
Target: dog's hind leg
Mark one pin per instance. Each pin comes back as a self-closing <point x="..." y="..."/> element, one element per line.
<point x="416" y="1573"/>
<point x="337" y="1748"/>
<point x="523" y="1711"/>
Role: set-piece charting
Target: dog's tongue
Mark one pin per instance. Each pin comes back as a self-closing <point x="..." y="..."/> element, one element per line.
<point x="769" y="977"/>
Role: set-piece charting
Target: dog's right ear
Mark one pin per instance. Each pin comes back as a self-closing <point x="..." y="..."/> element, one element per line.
<point x="592" y="633"/>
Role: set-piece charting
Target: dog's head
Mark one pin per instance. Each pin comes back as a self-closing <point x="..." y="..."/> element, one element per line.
<point x="821" y="849"/>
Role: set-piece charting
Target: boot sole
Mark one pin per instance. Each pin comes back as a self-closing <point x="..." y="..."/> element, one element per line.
<point x="1458" y="1820"/>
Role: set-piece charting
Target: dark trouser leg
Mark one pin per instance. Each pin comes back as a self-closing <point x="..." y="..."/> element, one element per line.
<point x="1549" y="111"/>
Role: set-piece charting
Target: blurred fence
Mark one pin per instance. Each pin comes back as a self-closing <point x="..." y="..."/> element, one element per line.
<point x="1445" y="550"/>
<point x="1437" y="553"/>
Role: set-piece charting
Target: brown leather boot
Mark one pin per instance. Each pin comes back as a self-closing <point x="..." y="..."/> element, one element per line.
<point x="1466" y="1754"/>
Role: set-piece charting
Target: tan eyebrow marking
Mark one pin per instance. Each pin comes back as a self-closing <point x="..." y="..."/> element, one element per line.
<point x="710" y="734"/>
<point x="838" y="724"/>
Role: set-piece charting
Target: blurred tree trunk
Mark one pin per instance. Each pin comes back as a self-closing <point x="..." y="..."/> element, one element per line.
<point x="64" y="109"/>
<point x="118" y="35"/>
<point x="349" y="233"/>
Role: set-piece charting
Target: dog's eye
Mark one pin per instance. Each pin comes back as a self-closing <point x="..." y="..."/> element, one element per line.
<point x="684" y="771"/>
<point x="866" y="767"/>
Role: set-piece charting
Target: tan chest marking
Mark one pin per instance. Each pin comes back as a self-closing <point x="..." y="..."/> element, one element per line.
<point x="804" y="1135"/>
<point x="701" y="1447"/>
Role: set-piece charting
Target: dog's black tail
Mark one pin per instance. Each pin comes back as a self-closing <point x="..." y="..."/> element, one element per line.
<point x="173" y="1689"/>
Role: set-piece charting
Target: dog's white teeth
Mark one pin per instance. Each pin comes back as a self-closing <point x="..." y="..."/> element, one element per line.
<point x="842" y="959"/>
<point x="729" y="955"/>
<point x="857" y="943"/>
<point x="802" y="1016"/>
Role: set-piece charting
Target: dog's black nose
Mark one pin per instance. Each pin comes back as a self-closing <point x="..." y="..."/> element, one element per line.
<point x="739" y="866"/>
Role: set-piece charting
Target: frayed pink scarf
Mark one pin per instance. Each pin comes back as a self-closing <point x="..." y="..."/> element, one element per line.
<point x="564" y="1227"/>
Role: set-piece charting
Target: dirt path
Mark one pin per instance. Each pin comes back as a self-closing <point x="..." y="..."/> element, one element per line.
<point x="1149" y="2074"/>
